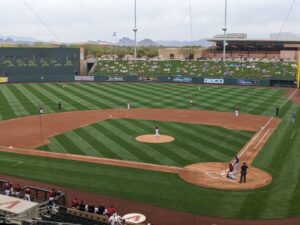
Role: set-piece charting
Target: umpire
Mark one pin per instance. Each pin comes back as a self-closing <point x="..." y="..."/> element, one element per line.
<point x="244" y="168"/>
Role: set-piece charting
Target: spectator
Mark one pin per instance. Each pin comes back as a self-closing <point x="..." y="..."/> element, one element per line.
<point x="75" y="203"/>
<point x="52" y="196"/>
<point x="7" y="189"/>
<point x="27" y="192"/>
<point x="17" y="190"/>
<point x="91" y="208"/>
<point x="110" y="211"/>
<point x="81" y="206"/>
<point x="101" y="210"/>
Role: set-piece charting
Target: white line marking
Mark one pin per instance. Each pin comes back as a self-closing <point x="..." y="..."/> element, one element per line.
<point x="293" y="134"/>
<point x="262" y="138"/>
<point x="255" y="137"/>
<point x="292" y="95"/>
<point x="16" y="164"/>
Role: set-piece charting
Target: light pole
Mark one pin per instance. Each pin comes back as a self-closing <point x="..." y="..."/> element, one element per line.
<point x="135" y="30"/>
<point x="225" y="29"/>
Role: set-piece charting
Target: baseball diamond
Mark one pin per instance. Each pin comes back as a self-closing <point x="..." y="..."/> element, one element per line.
<point x="93" y="135"/>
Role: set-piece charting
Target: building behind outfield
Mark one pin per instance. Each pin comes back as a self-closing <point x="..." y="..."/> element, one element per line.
<point x="239" y="46"/>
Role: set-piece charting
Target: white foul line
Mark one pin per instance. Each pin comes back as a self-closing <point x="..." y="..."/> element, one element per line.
<point x="256" y="136"/>
<point x="262" y="138"/>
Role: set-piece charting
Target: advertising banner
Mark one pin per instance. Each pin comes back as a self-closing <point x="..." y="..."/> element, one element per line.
<point x="146" y="78"/>
<point x="115" y="78"/>
<point x="213" y="81"/>
<point x="3" y="79"/>
<point x="182" y="79"/>
<point x="248" y="82"/>
<point x="84" y="78"/>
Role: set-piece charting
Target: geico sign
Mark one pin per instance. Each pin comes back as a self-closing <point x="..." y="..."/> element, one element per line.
<point x="213" y="81"/>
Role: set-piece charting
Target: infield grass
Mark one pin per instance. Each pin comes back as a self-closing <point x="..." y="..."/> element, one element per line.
<point x="116" y="139"/>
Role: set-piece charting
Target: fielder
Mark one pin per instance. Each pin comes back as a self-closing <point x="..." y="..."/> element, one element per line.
<point x="128" y="105"/>
<point x="156" y="131"/>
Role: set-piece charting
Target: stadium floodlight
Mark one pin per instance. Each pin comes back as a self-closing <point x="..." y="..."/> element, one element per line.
<point x="135" y="31"/>
<point x="225" y="30"/>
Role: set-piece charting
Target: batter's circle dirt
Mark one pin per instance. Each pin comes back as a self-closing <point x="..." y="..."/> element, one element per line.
<point x="150" y="138"/>
<point x="213" y="175"/>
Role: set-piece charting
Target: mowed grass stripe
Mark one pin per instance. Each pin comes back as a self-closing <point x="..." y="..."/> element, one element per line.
<point x="104" y="97"/>
<point x="81" y="144"/>
<point x="135" y="98"/>
<point x="161" y="97"/>
<point x="24" y="100"/>
<point x="14" y="103"/>
<point x="46" y="100"/>
<point x="85" y="96"/>
<point x="54" y="146"/>
<point x="66" y="96"/>
<point x="209" y="150"/>
<point x="69" y="144"/>
<point x="113" y="141"/>
<point x="6" y="110"/>
<point x="127" y="141"/>
<point x="135" y="130"/>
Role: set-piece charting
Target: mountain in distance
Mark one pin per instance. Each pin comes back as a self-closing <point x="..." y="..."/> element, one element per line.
<point x="125" y="41"/>
<point x="175" y="43"/>
<point x="18" y="38"/>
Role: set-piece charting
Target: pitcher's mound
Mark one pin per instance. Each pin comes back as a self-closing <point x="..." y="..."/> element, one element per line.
<point x="150" y="138"/>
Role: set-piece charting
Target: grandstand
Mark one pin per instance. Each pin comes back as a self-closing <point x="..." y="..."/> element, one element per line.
<point x="231" y="69"/>
<point x="239" y="46"/>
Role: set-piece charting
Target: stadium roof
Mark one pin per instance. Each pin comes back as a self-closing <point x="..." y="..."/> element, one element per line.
<point x="254" y="40"/>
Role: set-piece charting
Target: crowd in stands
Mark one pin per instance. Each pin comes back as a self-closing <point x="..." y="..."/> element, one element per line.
<point x="110" y="212"/>
<point x="232" y="68"/>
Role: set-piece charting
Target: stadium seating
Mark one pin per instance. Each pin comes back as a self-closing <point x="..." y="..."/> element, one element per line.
<point x="237" y="68"/>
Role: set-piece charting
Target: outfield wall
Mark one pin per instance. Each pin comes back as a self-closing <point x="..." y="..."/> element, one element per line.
<point x="151" y="79"/>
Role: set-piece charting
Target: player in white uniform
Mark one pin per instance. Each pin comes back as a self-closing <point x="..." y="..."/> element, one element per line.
<point x="156" y="131"/>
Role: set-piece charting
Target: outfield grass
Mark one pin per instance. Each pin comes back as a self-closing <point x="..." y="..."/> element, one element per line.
<point x="116" y="139"/>
<point x="280" y="156"/>
<point x="24" y="99"/>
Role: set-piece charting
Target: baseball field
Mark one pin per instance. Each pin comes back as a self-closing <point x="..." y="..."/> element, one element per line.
<point x="104" y="129"/>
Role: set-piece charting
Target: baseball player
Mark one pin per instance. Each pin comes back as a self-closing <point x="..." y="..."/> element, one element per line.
<point x="156" y="131"/>
<point x="230" y="171"/>
<point x="293" y="117"/>
<point x="128" y="105"/>
<point x="41" y="110"/>
<point x="237" y="111"/>
<point x="236" y="163"/>
<point x="191" y="101"/>
<point x="59" y="106"/>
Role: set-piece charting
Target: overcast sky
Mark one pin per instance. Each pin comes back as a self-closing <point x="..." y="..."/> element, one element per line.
<point x="83" y="20"/>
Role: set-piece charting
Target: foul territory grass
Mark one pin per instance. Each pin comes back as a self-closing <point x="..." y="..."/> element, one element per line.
<point x="25" y="99"/>
<point x="116" y="139"/>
